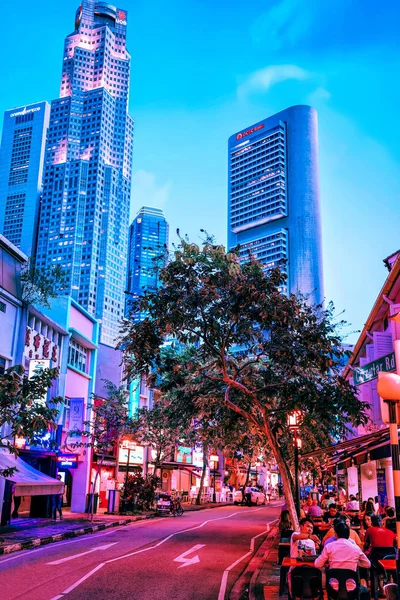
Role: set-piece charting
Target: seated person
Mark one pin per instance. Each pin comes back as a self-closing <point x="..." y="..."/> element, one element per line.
<point x="314" y="510"/>
<point x="331" y="514"/>
<point x="352" y="504"/>
<point x="285" y="524"/>
<point x="354" y="537"/>
<point x="304" y="542"/>
<point x="344" y="554"/>
<point x="389" y="521"/>
<point x="376" y="535"/>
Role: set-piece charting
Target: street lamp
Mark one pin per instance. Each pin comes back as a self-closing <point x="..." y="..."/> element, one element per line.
<point x="214" y="467"/>
<point x="294" y="420"/>
<point x="388" y="388"/>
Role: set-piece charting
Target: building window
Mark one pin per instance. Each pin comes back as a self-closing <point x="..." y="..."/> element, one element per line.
<point x="77" y="355"/>
<point x="3" y="363"/>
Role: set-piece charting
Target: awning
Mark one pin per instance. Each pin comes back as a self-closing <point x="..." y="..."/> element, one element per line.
<point x="29" y="481"/>
<point x="356" y="449"/>
<point x="182" y="466"/>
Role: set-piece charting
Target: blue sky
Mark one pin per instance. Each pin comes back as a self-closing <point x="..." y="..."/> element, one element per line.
<point x="202" y="70"/>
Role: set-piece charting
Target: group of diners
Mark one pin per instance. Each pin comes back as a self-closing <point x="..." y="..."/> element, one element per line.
<point x="341" y="540"/>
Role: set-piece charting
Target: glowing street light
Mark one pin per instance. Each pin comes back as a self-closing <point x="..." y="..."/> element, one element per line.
<point x="294" y="420"/>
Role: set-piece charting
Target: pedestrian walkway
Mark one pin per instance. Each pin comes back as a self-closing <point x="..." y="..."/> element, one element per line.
<point x="27" y="532"/>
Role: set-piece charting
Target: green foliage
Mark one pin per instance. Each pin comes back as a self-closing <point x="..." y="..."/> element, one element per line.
<point x="152" y="428"/>
<point x="140" y="491"/>
<point x="246" y="347"/>
<point x="23" y="413"/>
<point x="40" y="285"/>
<point x="110" y="422"/>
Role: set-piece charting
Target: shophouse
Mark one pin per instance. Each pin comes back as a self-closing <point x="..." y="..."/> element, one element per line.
<point x="364" y="460"/>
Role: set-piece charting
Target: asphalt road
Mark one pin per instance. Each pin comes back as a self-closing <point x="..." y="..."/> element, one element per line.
<point x="197" y="556"/>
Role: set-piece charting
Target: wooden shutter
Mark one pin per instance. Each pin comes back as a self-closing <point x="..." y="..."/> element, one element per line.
<point x="382" y="343"/>
<point x="393" y="310"/>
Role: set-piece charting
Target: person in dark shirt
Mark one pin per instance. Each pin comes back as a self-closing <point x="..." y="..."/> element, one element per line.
<point x="331" y="514"/>
<point x="390" y="520"/>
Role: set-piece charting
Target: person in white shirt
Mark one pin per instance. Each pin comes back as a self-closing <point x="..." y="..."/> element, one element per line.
<point x="343" y="554"/>
<point x="247" y="495"/>
<point x="353" y="504"/>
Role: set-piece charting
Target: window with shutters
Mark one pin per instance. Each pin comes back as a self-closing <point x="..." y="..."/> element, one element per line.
<point x="382" y="343"/>
<point x="394" y="309"/>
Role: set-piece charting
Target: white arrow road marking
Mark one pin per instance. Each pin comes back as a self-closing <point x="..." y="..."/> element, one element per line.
<point x="63" y="560"/>
<point x="189" y="561"/>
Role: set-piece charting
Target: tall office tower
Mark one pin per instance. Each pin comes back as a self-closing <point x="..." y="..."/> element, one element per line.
<point x="274" y="204"/>
<point x="88" y="167"/>
<point x="21" y="167"/>
<point x="148" y="243"/>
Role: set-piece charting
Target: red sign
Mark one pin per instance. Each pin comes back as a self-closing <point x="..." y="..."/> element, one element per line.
<point x="252" y="130"/>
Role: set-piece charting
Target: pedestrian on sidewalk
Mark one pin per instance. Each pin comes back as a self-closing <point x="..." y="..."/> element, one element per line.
<point x="247" y="494"/>
<point x="56" y="503"/>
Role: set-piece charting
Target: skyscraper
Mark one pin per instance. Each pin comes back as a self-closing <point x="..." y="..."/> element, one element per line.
<point x="88" y="166"/>
<point x="274" y="200"/>
<point x="21" y="168"/>
<point x="148" y="241"/>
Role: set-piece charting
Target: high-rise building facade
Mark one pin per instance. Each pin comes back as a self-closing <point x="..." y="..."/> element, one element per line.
<point x="274" y="198"/>
<point x="148" y="244"/>
<point x="21" y="167"/>
<point x="88" y="167"/>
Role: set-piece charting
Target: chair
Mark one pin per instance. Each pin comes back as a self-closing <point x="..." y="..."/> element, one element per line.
<point x="306" y="583"/>
<point x="342" y="575"/>
<point x="379" y="553"/>
<point x="391" y="591"/>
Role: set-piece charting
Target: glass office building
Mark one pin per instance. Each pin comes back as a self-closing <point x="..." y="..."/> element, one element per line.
<point x="88" y="167"/>
<point x="274" y="200"/>
<point x="21" y="167"/>
<point x="148" y="245"/>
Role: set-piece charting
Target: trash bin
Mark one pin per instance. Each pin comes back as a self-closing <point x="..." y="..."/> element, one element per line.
<point x="89" y="503"/>
<point x="113" y="501"/>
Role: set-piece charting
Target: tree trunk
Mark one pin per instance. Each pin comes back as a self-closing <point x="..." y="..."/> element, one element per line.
<point x="246" y="483"/>
<point x="94" y="486"/>
<point x="203" y="475"/>
<point x="287" y="480"/>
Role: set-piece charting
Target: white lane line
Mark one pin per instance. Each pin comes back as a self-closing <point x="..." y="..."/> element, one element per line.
<point x="224" y="581"/>
<point x="80" y="538"/>
<point x="151" y="548"/>
<point x="68" y="558"/>
<point x="82" y="579"/>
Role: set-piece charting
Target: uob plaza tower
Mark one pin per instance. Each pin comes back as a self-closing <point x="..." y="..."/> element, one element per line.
<point x="87" y="176"/>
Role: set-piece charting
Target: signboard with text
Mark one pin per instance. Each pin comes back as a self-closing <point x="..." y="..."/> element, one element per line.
<point x="370" y="371"/>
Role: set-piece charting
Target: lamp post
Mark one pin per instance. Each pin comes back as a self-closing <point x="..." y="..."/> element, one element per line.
<point x="294" y="420"/>
<point x="388" y="388"/>
<point x="214" y="467"/>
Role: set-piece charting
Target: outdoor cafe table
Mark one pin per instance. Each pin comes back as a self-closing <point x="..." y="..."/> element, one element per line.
<point x="389" y="564"/>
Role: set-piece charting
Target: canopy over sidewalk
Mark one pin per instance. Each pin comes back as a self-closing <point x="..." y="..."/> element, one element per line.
<point x="29" y="481"/>
<point x="374" y="445"/>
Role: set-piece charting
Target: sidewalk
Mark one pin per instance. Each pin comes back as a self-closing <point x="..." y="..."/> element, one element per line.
<point x="27" y="532"/>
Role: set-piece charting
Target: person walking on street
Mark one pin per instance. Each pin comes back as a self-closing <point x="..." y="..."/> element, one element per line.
<point x="56" y="503"/>
<point x="247" y="494"/>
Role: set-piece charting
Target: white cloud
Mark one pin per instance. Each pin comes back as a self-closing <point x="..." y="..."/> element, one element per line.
<point x="320" y="94"/>
<point x="147" y="192"/>
<point x="264" y="79"/>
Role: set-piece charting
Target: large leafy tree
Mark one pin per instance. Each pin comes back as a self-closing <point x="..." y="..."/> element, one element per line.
<point x="265" y="354"/>
<point x="23" y="409"/>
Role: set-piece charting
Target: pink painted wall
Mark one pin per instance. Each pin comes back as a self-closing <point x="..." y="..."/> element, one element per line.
<point x="77" y="385"/>
<point x="81" y="323"/>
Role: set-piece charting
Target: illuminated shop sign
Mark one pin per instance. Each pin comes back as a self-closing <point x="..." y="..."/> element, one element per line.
<point x="67" y="461"/>
<point x="25" y="111"/>
<point x="121" y="17"/>
<point x="252" y="130"/>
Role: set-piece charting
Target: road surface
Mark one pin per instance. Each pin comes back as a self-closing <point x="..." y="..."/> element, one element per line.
<point x="197" y="556"/>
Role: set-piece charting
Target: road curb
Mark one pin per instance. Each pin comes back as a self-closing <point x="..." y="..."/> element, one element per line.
<point x="50" y="539"/>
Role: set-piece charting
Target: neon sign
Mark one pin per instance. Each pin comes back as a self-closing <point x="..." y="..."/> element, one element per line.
<point x="67" y="461"/>
<point x="252" y="130"/>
